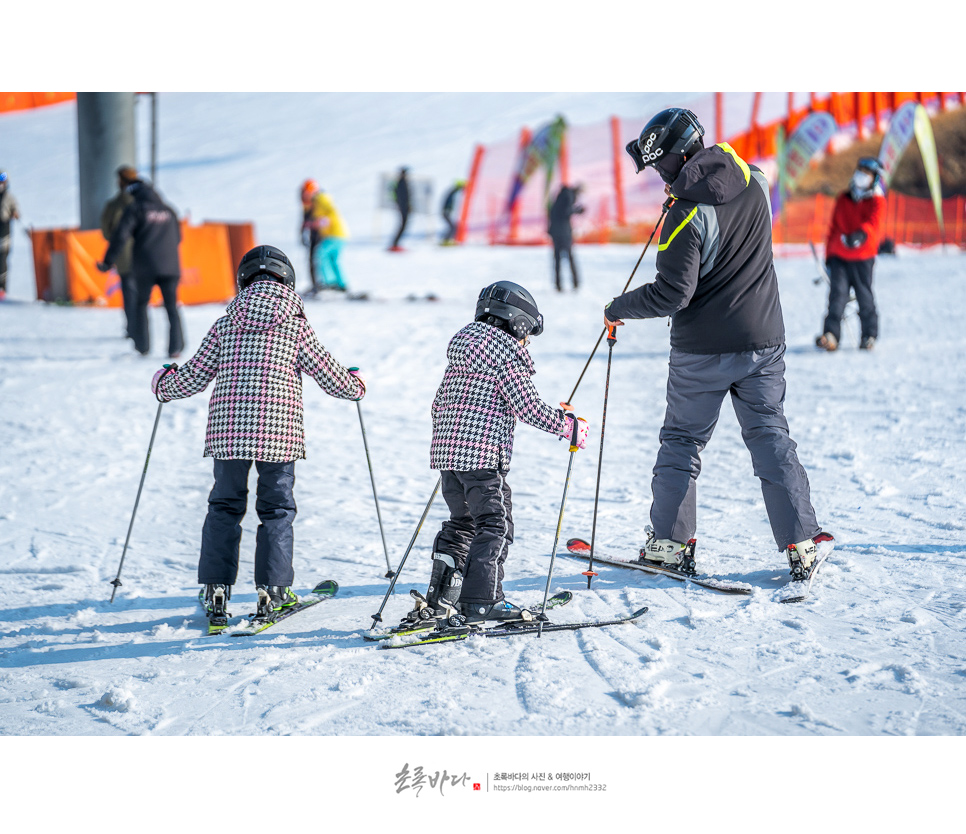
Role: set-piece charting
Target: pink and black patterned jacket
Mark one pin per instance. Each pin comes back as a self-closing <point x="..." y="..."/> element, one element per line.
<point x="485" y="388"/>
<point x="256" y="355"/>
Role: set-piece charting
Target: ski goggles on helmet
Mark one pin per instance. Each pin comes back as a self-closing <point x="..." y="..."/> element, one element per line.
<point x="3" y="176"/>
<point x="511" y="299"/>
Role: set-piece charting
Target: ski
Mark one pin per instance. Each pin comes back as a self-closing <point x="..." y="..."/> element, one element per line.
<point x="256" y="625"/>
<point x="580" y="549"/>
<point x="422" y="626"/>
<point x="798" y="590"/>
<point x="449" y="634"/>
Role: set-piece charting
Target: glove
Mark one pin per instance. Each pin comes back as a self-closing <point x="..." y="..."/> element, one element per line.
<point x="583" y="431"/>
<point x="855" y="239"/>
<point x="159" y="375"/>
<point x="361" y="378"/>
<point x="103" y="267"/>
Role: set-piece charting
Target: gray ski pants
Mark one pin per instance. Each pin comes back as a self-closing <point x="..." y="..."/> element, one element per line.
<point x="697" y="385"/>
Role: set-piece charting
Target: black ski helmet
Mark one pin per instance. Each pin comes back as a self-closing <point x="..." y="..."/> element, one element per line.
<point x="513" y="306"/>
<point x="267" y="261"/>
<point x="672" y="131"/>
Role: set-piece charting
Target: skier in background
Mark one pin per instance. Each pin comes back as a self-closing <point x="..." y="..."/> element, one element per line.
<point x="110" y="219"/>
<point x="256" y="354"/>
<point x="310" y="235"/>
<point x="154" y="227"/>
<point x="562" y="233"/>
<point x="401" y="196"/>
<point x="9" y="211"/>
<point x="449" y="208"/>
<point x="716" y="280"/>
<point x="332" y="232"/>
<point x="486" y="387"/>
<point x="858" y="221"/>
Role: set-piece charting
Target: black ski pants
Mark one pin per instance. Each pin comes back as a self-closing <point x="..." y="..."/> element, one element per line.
<point x="855" y="276"/>
<point x="561" y="248"/>
<point x="169" y="295"/>
<point x="403" y="220"/>
<point x="479" y="531"/>
<point x="222" y="531"/>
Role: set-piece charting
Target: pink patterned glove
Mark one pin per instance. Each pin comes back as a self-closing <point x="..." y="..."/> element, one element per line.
<point x="583" y="431"/>
<point x="361" y="378"/>
<point x="156" y="379"/>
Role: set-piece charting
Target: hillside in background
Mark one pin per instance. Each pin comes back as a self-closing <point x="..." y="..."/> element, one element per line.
<point x="832" y="174"/>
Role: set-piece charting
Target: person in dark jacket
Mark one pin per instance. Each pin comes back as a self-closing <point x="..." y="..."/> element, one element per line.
<point x="110" y="218"/>
<point x="562" y="233"/>
<point x="716" y="280"/>
<point x="854" y="234"/>
<point x="154" y="227"/>
<point x="401" y="196"/>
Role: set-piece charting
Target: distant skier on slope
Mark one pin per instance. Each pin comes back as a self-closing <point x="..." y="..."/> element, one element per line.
<point x="716" y="280"/>
<point x="854" y="234"/>
<point x="256" y="354"/>
<point x="486" y="387"/>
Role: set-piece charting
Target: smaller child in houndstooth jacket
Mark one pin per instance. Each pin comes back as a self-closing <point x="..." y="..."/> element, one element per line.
<point x="487" y="386"/>
<point x="256" y="355"/>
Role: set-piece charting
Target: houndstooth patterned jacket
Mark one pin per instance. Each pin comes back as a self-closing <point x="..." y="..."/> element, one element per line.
<point x="256" y="355"/>
<point x="485" y="388"/>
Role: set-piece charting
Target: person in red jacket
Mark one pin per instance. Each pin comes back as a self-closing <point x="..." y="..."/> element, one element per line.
<point x="853" y="242"/>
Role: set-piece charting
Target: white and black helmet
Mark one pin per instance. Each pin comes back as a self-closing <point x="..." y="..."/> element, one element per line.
<point x="672" y="131"/>
<point x="266" y="263"/>
<point x="513" y="306"/>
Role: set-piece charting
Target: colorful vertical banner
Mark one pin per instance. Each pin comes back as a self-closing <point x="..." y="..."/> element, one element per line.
<point x="543" y="151"/>
<point x="812" y="134"/>
<point x="900" y="131"/>
<point x="930" y="161"/>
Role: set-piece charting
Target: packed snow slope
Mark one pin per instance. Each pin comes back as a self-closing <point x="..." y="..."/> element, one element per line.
<point x="879" y="649"/>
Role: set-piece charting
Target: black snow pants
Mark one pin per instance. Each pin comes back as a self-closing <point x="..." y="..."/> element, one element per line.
<point x="855" y="276"/>
<point x="479" y="531"/>
<point x="222" y="531"/>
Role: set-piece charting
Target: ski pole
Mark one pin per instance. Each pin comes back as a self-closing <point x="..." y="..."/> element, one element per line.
<point x="611" y="340"/>
<point x="375" y="495"/>
<point x="377" y="617"/>
<point x="664" y="208"/>
<point x="556" y="538"/>
<point x="116" y="582"/>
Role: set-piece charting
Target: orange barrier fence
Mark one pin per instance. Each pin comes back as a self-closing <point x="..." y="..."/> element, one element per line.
<point x="10" y="102"/>
<point x="65" y="264"/>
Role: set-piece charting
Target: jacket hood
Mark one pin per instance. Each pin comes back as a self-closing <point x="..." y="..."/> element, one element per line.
<point x="264" y="305"/>
<point x="713" y="176"/>
<point x="482" y="348"/>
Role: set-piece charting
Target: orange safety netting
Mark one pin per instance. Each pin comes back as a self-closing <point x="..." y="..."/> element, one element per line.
<point x="10" y="102"/>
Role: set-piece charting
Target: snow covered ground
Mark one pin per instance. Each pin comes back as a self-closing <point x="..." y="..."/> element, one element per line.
<point x="878" y="652"/>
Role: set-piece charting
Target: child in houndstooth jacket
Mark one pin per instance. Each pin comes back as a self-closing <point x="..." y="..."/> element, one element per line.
<point x="486" y="388"/>
<point x="256" y="354"/>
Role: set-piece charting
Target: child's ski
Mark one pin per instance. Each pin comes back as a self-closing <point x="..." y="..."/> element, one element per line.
<point x="515" y="629"/>
<point x="423" y="626"/>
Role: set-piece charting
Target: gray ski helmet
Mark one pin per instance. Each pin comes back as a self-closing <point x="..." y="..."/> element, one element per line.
<point x="267" y="263"/>
<point x="674" y="130"/>
<point x="873" y="166"/>
<point x="512" y="304"/>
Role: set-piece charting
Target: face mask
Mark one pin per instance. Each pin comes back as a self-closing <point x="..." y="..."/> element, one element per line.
<point x="862" y="180"/>
<point x="669" y="167"/>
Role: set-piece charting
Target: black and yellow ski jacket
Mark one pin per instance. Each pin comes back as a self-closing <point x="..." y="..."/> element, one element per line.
<point x="715" y="266"/>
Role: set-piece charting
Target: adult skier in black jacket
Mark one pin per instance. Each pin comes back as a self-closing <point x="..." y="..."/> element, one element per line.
<point x="716" y="280"/>
<point x="156" y="232"/>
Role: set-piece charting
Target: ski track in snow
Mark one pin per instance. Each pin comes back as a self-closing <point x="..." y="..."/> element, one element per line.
<point x="878" y="650"/>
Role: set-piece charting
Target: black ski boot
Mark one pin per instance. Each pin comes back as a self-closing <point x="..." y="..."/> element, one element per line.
<point x="214" y="599"/>
<point x="442" y="596"/>
<point x="502" y="611"/>
<point x="273" y="598"/>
